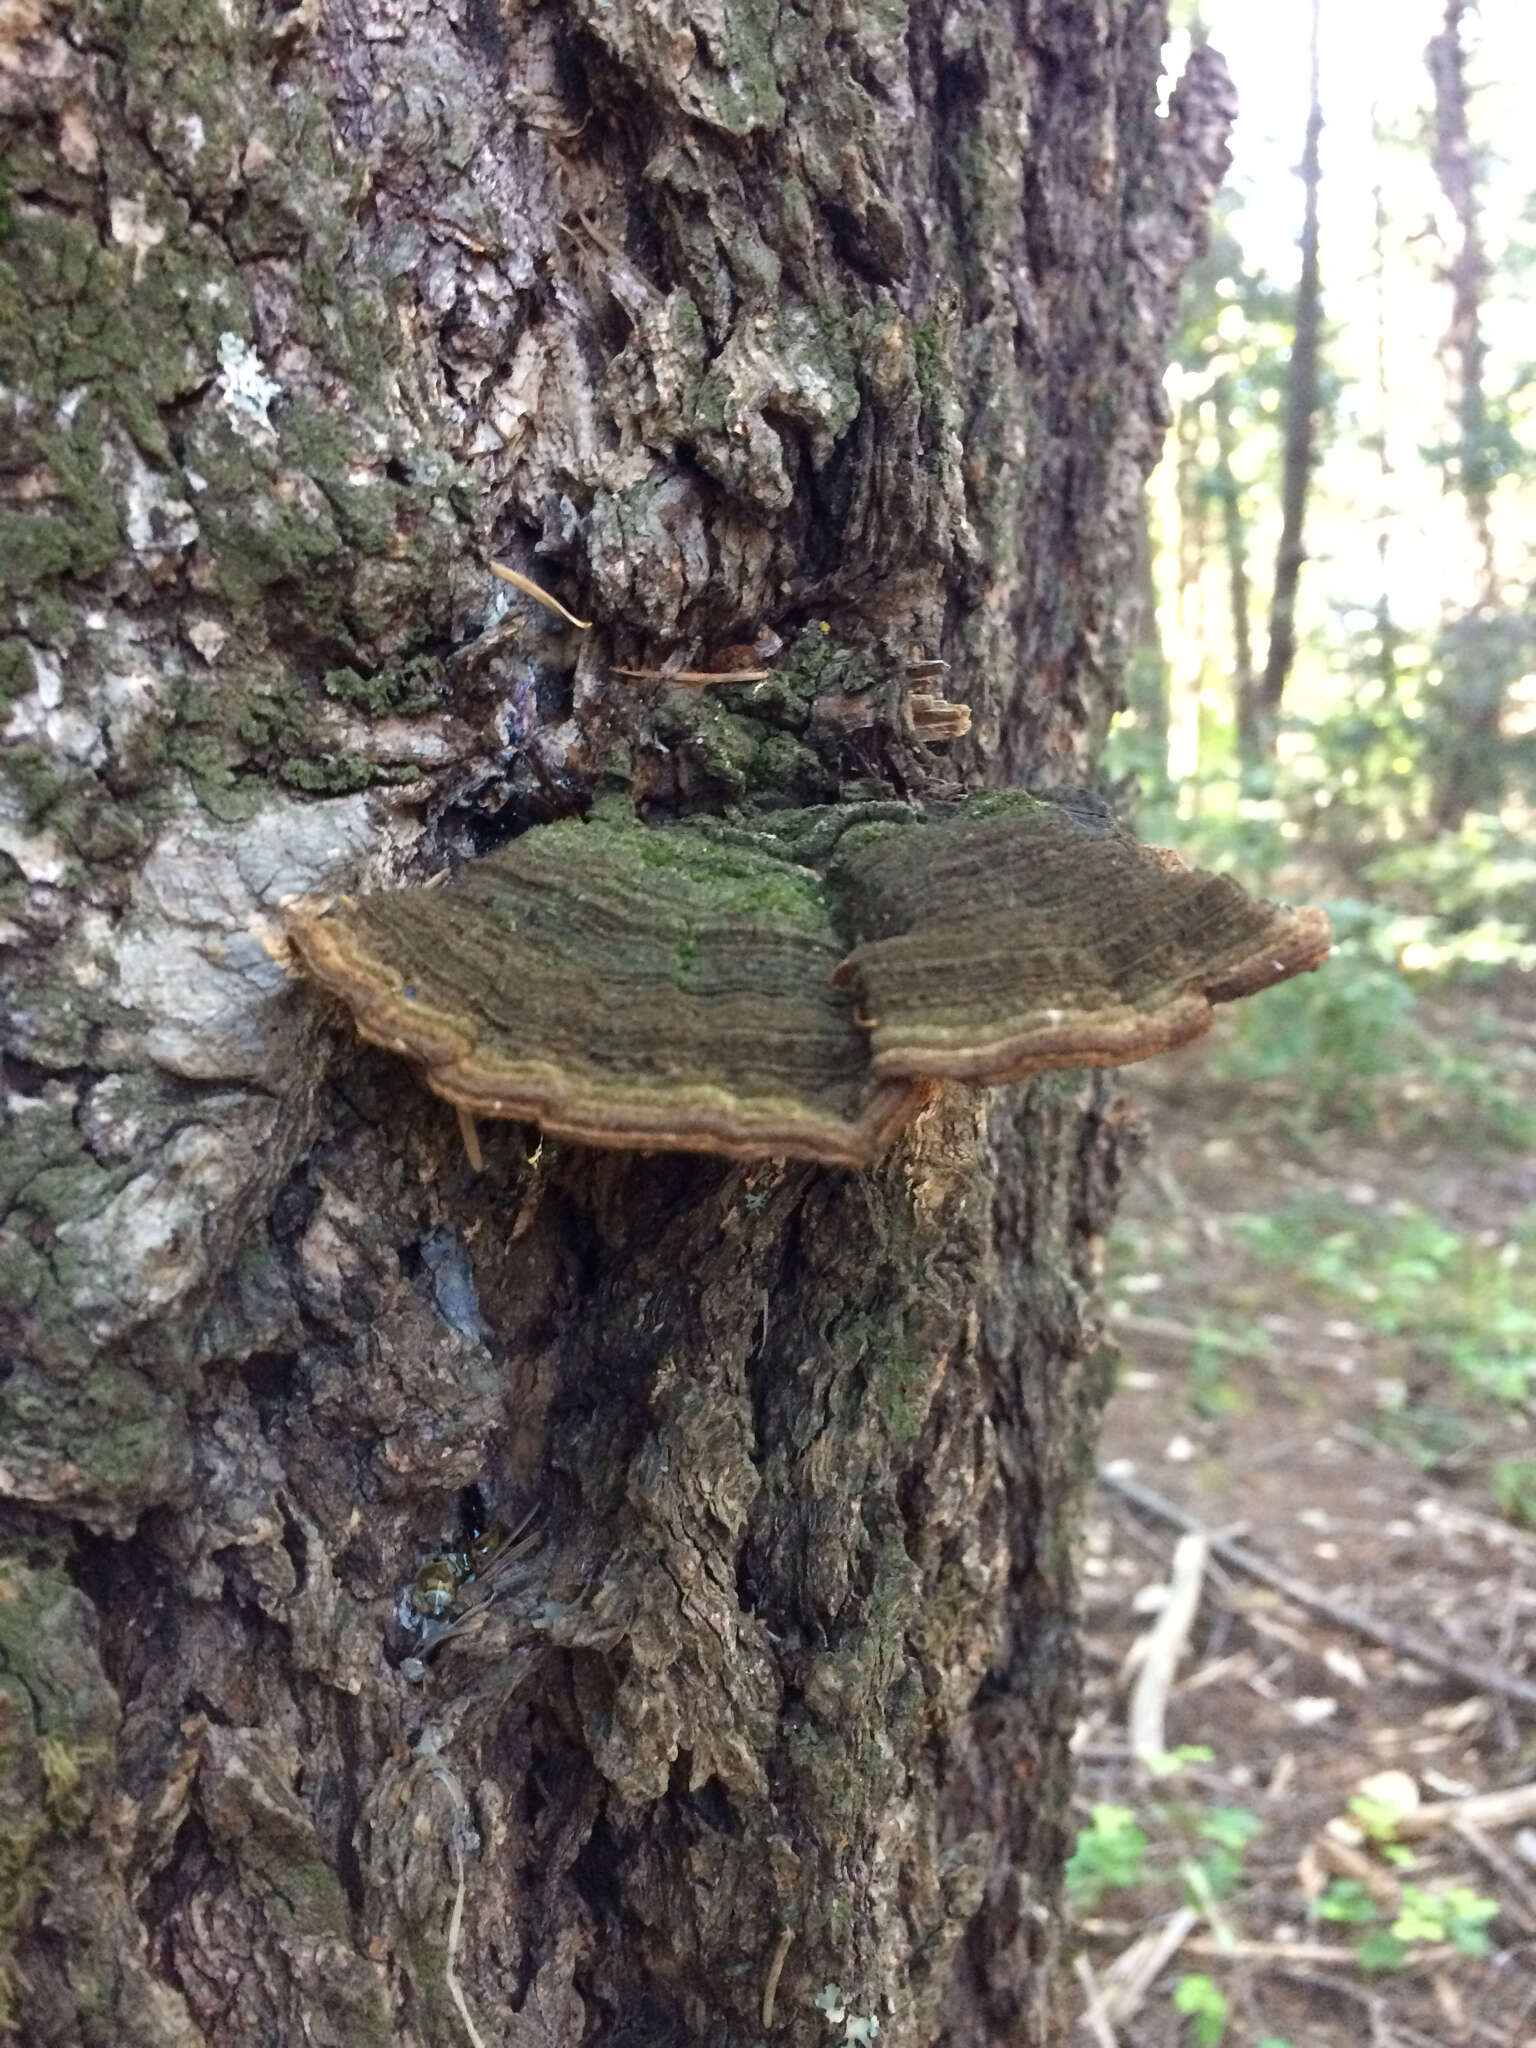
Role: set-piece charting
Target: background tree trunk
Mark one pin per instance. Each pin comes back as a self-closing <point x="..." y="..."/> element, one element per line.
<point x="1455" y="164"/>
<point x="1475" y="647"/>
<point x="1300" y="431"/>
<point x="1234" y="535"/>
<point x="844" y="322"/>
<point x="1381" y="443"/>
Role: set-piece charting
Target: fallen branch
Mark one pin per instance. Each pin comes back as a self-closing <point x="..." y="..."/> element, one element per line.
<point x="1400" y="1641"/>
<point x="1165" y="1644"/>
<point x="1093" y="2012"/>
<point x="1326" y="1953"/>
<point x="1126" y="1982"/>
<point x="1347" y="1859"/>
<point x="1504" y="1809"/>
<point x="1258" y="1350"/>
<point x="1521" y="1907"/>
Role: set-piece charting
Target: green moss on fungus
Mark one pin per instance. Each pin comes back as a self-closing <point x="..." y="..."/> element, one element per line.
<point x="784" y="765"/>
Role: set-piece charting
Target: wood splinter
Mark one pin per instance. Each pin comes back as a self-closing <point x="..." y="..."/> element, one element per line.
<point x="694" y="678"/>
<point x="471" y="1137"/>
<point x="775" y="1969"/>
<point x="539" y="595"/>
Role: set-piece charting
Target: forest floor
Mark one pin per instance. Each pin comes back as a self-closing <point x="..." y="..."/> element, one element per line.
<point x="1329" y="1359"/>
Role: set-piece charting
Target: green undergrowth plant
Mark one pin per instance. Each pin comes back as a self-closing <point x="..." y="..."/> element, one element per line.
<point x="1383" y="1038"/>
<point x="1423" y="1914"/>
<point x="1174" y="1848"/>
<point x="1361" y="1044"/>
<point x="1173" y="1840"/>
<point x="1514" y="1490"/>
<point x="1457" y="1316"/>
<point x="1204" y="2005"/>
<point x="1449" y="1299"/>
<point x="1384" y="1940"/>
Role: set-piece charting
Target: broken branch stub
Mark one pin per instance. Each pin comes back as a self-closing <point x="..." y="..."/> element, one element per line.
<point x="676" y="988"/>
<point x="1017" y="934"/>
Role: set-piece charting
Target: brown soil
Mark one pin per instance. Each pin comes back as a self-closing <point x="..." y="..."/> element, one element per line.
<point x="1296" y="1709"/>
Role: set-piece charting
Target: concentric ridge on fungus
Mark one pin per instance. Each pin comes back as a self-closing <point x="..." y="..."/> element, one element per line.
<point x="676" y="988"/>
<point x="1021" y="935"/>
<point x="622" y="986"/>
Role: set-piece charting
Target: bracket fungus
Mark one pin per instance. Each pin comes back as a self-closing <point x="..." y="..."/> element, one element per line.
<point x="795" y="985"/>
<point x="1012" y="937"/>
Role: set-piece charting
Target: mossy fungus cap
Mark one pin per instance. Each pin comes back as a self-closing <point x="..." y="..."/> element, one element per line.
<point x="686" y="988"/>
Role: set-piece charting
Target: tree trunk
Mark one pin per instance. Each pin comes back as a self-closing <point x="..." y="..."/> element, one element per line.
<point x="1467" y="765"/>
<point x="1387" y="635"/>
<point x="1188" y="666"/>
<point x="1146" y="681"/>
<point x="1300" y="431"/>
<point x="1455" y="166"/>
<point x="1234" y="535"/>
<point x="844" y="324"/>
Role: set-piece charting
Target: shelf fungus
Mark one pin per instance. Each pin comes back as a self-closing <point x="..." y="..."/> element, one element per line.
<point x="797" y="984"/>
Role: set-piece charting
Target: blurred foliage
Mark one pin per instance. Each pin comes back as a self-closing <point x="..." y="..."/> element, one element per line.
<point x="1177" y="1841"/>
<point x="1366" y="1043"/>
<point x="1454" y="1914"/>
<point x="1110" y="1854"/>
<point x="1461" y="1310"/>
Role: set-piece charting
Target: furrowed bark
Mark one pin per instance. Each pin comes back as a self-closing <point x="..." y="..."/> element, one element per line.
<point x="848" y="323"/>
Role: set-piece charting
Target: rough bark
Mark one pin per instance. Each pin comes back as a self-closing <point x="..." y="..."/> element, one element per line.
<point x="1300" y="434"/>
<point x="845" y="322"/>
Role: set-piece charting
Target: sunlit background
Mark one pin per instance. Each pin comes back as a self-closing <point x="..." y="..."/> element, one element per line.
<point x="1387" y="533"/>
<point x="1323" y="1282"/>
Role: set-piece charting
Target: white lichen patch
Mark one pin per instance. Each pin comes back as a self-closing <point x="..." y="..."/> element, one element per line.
<point x="133" y="228"/>
<point x="780" y="365"/>
<point x="138" y="1256"/>
<point x="38" y="854"/>
<point x="160" y="523"/>
<point x="207" y="636"/>
<point x="43" y="718"/>
<point x="191" y="958"/>
<point x="129" y="695"/>
<point x="859" y="2030"/>
<point x="245" y="389"/>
